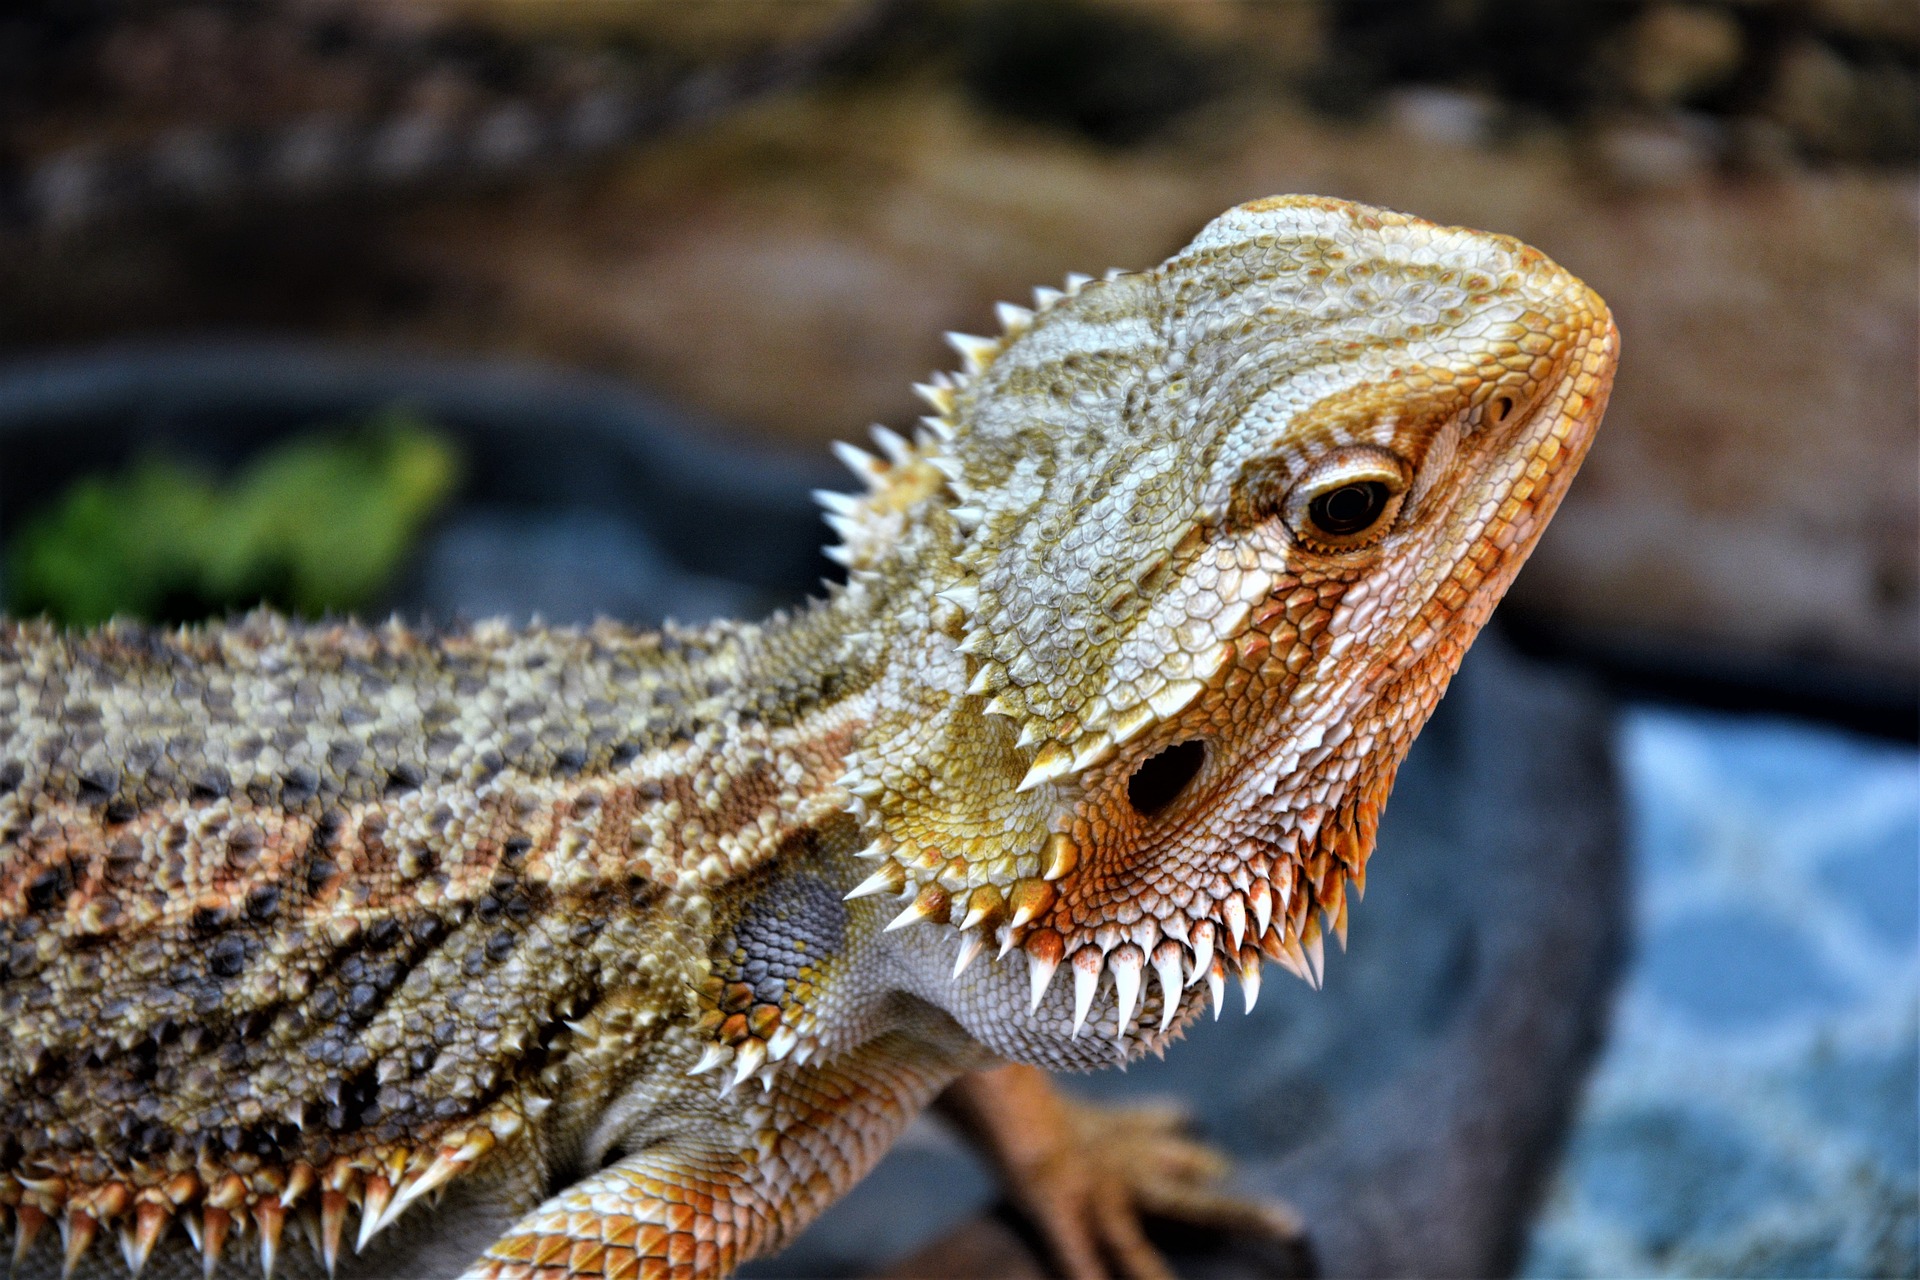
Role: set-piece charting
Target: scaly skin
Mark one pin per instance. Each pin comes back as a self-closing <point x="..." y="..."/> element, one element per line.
<point x="633" y="951"/>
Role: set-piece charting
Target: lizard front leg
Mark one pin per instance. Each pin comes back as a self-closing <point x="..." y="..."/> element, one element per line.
<point x="736" y="1182"/>
<point x="1086" y="1176"/>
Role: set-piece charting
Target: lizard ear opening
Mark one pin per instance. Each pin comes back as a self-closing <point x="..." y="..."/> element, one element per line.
<point x="1161" y="778"/>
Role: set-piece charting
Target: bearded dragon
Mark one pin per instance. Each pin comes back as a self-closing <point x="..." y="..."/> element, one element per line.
<point x="609" y="952"/>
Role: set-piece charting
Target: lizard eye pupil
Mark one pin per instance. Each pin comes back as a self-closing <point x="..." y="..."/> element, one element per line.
<point x="1349" y="509"/>
<point x="1161" y="778"/>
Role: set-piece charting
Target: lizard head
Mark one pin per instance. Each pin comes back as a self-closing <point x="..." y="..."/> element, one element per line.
<point x="1198" y="549"/>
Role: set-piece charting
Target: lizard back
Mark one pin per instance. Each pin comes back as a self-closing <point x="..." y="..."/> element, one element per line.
<point x="291" y="905"/>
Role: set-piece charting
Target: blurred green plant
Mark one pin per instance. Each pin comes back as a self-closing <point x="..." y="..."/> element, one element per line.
<point x="316" y="525"/>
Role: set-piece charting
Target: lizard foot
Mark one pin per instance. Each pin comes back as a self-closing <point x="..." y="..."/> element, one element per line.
<point x="1100" y="1184"/>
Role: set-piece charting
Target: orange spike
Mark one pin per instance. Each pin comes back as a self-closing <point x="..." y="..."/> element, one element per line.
<point x="333" y="1220"/>
<point x="151" y="1220"/>
<point x="272" y="1217"/>
<point x="31" y="1220"/>
<point x="299" y="1182"/>
<point x="213" y="1237"/>
<point x="80" y="1231"/>
<point x="372" y="1207"/>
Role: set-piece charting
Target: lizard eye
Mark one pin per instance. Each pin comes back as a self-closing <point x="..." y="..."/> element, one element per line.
<point x="1350" y="509"/>
<point x="1347" y="502"/>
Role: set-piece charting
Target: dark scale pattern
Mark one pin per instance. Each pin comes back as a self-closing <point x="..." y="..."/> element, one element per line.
<point x="768" y="968"/>
<point x="276" y="898"/>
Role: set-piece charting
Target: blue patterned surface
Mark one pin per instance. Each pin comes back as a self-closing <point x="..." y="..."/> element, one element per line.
<point x="1757" y="1109"/>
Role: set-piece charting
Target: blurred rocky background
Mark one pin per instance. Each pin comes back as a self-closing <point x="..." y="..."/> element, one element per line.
<point x="770" y="209"/>
<point x="622" y="267"/>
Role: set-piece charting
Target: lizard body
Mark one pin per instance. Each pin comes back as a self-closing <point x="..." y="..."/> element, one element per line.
<point x="635" y="950"/>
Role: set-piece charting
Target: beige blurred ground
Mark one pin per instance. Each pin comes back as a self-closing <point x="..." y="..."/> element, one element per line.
<point x="792" y="268"/>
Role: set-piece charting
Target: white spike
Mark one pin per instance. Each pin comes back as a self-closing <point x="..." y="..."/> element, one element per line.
<point x="1030" y="732"/>
<point x="1295" y="962"/>
<point x="1249" y="982"/>
<point x="1166" y="967"/>
<point x="437" y="1174"/>
<point x="1234" y="912"/>
<point x="940" y="430"/>
<point x="1044" y="298"/>
<point x="874" y="850"/>
<point x="1086" y="980"/>
<point x="1262" y="907"/>
<point x="844" y="527"/>
<point x="858" y="461"/>
<point x="891" y="443"/>
<point x="936" y="397"/>
<point x="912" y="915"/>
<point x="1125" y="963"/>
<point x="781" y="1042"/>
<point x="1076" y="282"/>
<point x="880" y="881"/>
<point x="965" y="597"/>
<point x="1013" y="318"/>
<point x="839" y="555"/>
<point x="982" y="681"/>
<point x="843" y="504"/>
<point x="710" y="1057"/>
<point x="1170" y="699"/>
<point x="975" y="351"/>
<point x="1202" y="951"/>
<point x="971" y="945"/>
<point x="967" y="517"/>
<point x="1317" y="957"/>
<point x="945" y="463"/>
<point x="1217" y="987"/>
<point x="1040" y="973"/>
<point x="752" y="1055"/>
<point x="1050" y="763"/>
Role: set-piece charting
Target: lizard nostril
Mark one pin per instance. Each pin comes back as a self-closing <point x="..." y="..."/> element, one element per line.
<point x="1161" y="778"/>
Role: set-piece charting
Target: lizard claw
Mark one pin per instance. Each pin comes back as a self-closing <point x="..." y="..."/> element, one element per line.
<point x="1095" y="1181"/>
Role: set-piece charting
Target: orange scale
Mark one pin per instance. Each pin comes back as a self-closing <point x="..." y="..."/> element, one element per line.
<point x="585" y="1258"/>
<point x="681" y="1248"/>
<point x="548" y="1249"/>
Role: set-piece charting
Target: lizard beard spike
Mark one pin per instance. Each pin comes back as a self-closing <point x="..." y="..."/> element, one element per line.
<point x="216" y="1208"/>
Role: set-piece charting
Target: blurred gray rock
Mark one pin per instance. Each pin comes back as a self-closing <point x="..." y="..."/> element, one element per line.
<point x="566" y="567"/>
